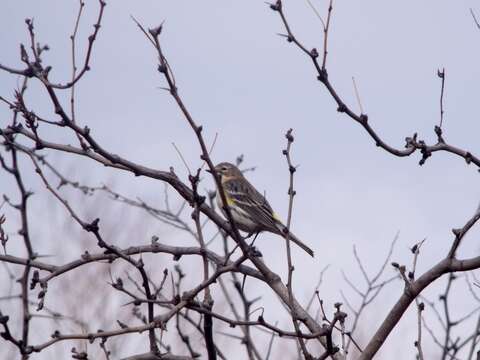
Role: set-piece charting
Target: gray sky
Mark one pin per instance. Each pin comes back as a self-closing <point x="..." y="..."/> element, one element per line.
<point x="249" y="85"/>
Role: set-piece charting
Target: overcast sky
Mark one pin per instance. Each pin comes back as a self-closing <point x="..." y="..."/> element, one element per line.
<point x="242" y="81"/>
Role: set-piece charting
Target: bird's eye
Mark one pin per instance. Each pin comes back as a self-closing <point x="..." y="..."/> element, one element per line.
<point x="224" y="168"/>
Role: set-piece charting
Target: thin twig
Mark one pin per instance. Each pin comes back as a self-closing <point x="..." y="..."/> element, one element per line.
<point x="441" y="75"/>
<point x="475" y="19"/>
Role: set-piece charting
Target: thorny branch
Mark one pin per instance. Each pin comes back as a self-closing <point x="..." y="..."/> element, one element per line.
<point x="412" y="144"/>
<point x="291" y="195"/>
<point x="374" y="286"/>
<point x="448" y="265"/>
<point x="186" y="307"/>
<point x="272" y="279"/>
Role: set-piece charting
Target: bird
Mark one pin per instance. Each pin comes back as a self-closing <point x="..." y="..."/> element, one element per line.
<point x="250" y="210"/>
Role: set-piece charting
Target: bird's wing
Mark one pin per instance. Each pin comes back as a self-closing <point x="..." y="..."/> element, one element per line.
<point x="251" y="202"/>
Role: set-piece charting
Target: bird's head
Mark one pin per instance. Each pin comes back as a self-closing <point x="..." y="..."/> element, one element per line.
<point x="227" y="170"/>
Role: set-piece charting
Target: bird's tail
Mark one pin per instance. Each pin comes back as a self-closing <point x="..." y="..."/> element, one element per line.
<point x="285" y="233"/>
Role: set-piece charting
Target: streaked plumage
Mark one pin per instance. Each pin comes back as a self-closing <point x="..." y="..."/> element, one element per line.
<point x="250" y="210"/>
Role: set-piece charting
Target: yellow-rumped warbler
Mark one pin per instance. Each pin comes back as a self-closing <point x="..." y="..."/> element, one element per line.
<point x="250" y="210"/>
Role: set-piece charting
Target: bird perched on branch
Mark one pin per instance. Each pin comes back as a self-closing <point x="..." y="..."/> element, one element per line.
<point x="250" y="210"/>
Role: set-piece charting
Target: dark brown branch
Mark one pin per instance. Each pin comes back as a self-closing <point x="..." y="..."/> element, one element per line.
<point x="448" y="322"/>
<point x="87" y="258"/>
<point x="410" y="293"/>
<point x="207" y="300"/>
<point x="14" y="170"/>
<point x="441" y="75"/>
<point x="249" y="343"/>
<point x="159" y="321"/>
<point x="93" y="228"/>
<point x="260" y="322"/>
<point x="166" y="216"/>
<point x="86" y="63"/>
<point x="271" y="278"/>
<point x="412" y="144"/>
<point x="290" y="268"/>
<point x="475" y="19"/>
<point x="7" y="335"/>
<point x="150" y="356"/>
<point x="373" y="288"/>
<point x="460" y="234"/>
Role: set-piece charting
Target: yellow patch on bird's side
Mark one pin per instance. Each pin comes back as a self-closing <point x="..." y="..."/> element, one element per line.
<point x="275" y="216"/>
<point x="230" y="202"/>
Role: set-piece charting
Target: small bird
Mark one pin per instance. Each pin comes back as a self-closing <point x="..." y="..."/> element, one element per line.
<point x="250" y="210"/>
